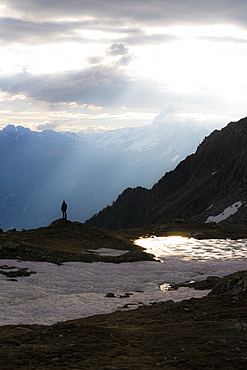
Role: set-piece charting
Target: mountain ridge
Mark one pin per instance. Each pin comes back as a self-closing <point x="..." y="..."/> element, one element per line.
<point x="214" y="177"/>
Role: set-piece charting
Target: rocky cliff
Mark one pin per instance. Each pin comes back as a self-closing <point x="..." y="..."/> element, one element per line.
<point x="206" y="184"/>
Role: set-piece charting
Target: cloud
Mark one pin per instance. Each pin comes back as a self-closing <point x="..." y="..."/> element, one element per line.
<point x="35" y="21"/>
<point x="47" y="126"/>
<point x="36" y="32"/>
<point x="117" y="49"/>
<point x="14" y="31"/>
<point x="94" y="60"/>
<point x="114" y="54"/>
<point x="224" y="39"/>
<point x="143" y="11"/>
<point x="99" y="85"/>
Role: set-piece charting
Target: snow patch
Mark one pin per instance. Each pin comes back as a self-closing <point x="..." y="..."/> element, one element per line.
<point x="76" y="289"/>
<point x="109" y="252"/>
<point x="225" y="214"/>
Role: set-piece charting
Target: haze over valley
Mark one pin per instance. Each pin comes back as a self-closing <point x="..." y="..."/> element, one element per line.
<point x="88" y="170"/>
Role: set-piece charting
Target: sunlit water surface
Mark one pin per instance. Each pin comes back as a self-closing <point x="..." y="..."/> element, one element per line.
<point x="189" y="248"/>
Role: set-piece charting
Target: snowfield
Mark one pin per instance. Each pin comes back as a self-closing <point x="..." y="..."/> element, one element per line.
<point x="226" y="213"/>
<point x="74" y="289"/>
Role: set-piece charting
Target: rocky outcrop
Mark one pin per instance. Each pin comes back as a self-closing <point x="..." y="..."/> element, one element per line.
<point x="235" y="286"/>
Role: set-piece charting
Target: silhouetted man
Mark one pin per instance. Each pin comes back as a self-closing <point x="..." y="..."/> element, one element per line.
<point x="64" y="210"/>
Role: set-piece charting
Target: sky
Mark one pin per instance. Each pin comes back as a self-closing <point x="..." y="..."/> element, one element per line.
<point x="105" y="64"/>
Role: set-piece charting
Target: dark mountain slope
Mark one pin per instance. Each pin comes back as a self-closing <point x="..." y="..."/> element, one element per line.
<point x="203" y="184"/>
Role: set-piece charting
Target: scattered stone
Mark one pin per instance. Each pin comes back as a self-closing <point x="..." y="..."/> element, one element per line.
<point x="27" y="346"/>
<point x="110" y="295"/>
<point x="238" y="327"/>
<point x="127" y="305"/>
<point x="126" y="295"/>
<point x="55" y="359"/>
<point x="18" y="273"/>
<point x="201" y="315"/>
<point x="6" y="267"/>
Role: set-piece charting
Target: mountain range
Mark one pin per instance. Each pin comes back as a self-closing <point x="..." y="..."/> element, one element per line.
<point x="41" y="169"/>
<point x="208" y="186"/>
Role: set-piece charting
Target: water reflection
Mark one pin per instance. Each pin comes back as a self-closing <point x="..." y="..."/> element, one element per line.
<point x="189" y="248"/>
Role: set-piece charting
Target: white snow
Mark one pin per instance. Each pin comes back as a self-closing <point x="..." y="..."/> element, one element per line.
<point x="76" y="289"/>
<point x="226" y="213"/>
<point x="109" y="252"/>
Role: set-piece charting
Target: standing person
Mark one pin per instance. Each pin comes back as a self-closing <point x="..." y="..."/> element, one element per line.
<point x="64" y="210"/>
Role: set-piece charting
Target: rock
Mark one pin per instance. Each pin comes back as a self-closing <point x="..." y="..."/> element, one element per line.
<point x="110" y="295"/>
<point x="236" y="286"/>
<point x="198" y="236"/>
<point x="126" y="295"/>
<point x="27" y="346"/>
<point x="200" y="315"/>
<point x="17" y="273"/>
<point x="10" y="245"/>
<point x="134" y="256"/>
<point x="238" y="327"/>
<point x="213" y="279"/>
